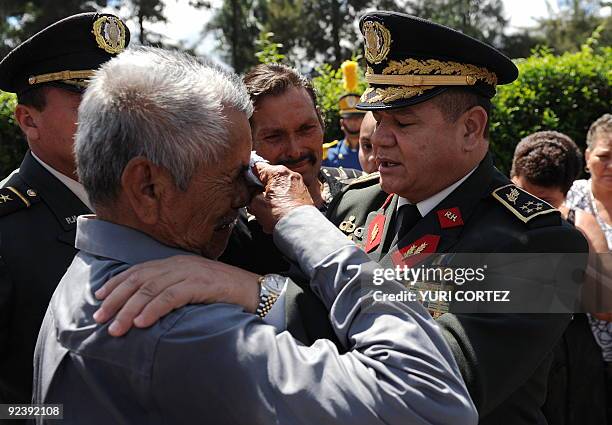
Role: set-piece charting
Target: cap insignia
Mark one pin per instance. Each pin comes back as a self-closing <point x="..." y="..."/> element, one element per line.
<point x="110" y="34"/>
<point x="377" y="41"/>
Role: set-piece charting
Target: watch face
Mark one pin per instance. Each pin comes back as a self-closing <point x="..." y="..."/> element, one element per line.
<point x="275" y="283"/>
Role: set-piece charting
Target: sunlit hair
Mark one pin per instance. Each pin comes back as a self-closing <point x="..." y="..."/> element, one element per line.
<point x="275" y="79"/>
<point x="601" y="125"/>
<point x="162" y="105"/>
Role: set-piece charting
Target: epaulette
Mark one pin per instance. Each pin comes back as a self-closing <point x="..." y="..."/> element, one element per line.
<point x="330" y="144"/>
<point x="345" y="175"/>
<point x="522" y="204"/>
<point x="326" y="147"/>
<point x="12" y="200"/>
<point x="365" y="180"/>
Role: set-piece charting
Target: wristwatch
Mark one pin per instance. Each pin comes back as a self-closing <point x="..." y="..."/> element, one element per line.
<point x="271" y="286"/>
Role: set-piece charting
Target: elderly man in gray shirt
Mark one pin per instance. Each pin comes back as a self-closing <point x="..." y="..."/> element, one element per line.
<point x="162" y="145"/>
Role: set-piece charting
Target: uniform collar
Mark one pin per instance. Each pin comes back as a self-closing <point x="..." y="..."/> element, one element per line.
<point x="105" y="239"/>
<point x="64" y="204"/>
<point x="426" y="205"/>
<point x="72" y="185"/>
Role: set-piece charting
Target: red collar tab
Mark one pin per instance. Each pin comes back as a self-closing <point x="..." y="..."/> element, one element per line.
<point x="375" y="231"/>
<point x="416" y="252"/>
<point x="449" y="217"/>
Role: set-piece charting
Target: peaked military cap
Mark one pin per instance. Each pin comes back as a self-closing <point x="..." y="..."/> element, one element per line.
<point x="347" y="105"/>
<point x="64" y="54"/>
<point x="410" y="60"/>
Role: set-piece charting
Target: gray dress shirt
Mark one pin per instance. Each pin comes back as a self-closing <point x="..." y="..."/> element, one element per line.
<point x="218" y="364"/>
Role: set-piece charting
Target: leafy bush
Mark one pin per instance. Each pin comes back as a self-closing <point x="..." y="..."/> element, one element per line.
<point x="269" y="51"/>
<point x="329" y="86"/>
<point x="564" y="93"/>
<point x="12" y="142"/>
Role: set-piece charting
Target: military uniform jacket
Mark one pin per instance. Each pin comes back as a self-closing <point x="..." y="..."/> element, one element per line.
<point x="37" y="230"/>
<point x="504" y="359"/>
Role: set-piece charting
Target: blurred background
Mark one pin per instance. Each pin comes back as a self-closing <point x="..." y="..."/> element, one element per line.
<point x="562" y="47"/>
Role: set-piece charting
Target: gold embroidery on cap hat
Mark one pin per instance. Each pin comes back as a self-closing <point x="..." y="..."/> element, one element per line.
<point x="435" y="66"/>
<point x="60" y="76"/>
<point x="377" y="41"/>
<point x="391" y="94"/>
<point x="110" y="34"/>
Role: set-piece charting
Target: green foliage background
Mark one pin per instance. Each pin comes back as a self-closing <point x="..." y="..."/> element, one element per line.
<point x="12" y="143"/>
<point x="329" y="86"/>
<point x="565" y="93"/>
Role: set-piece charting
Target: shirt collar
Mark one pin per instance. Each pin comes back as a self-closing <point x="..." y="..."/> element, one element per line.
<point x="122" y="243"/>
<point x="72" y="185"/>
<point x="426" y="205"/>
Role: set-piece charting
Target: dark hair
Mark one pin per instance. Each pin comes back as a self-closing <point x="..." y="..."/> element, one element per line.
<point x="548" y="159"/>
<point x="275" y="79"/>
<point x="35" y="97"/>
<point x="454" y="101"/>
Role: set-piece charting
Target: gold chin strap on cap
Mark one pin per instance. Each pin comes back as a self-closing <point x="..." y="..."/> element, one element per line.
<point x="421" y="80"/>
<point x="60" y="76"/>
<point x="430" y="72"/>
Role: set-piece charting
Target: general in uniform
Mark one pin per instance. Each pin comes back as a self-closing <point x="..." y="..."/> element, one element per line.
<point x="39" y="202"/>
<point x="448" y="198"/>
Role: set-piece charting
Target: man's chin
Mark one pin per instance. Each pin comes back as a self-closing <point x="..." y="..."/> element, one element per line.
<point x="389" y="185"/>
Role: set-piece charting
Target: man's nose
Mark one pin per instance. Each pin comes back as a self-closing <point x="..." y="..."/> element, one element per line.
<point x="382" y="136"/>
<point x="294" y="147"/>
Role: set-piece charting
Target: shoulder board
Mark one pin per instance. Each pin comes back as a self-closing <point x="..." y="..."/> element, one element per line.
<point x="345" y="175"/>
<point x="12" y="200"/>
<point x="522" y="204"/>
<point x="327" y="147"/>
<point x="330" y="144"/>
<point x="365" y="180"/>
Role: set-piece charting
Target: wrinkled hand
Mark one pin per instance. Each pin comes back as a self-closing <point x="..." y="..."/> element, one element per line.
<point x="144" y="293"/>
<point x="284" y="190"/>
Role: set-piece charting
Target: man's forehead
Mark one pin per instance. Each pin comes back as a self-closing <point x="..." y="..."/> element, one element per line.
<point x="406" y="111"/>
<point x="301" y="111"/>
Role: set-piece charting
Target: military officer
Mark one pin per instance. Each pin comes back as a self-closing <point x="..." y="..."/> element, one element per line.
<point x="39" y="202"/>
<point x="437" y="191"/>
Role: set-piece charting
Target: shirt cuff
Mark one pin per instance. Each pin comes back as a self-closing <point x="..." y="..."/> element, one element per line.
<point x="307" y="237"/>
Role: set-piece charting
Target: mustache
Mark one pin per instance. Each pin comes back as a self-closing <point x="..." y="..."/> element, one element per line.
<point x="288" y="161"/>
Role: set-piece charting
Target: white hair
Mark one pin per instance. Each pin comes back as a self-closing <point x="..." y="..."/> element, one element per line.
<point x="165" y="106"/>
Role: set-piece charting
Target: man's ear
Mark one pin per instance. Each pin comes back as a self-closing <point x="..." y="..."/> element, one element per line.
<point x="26" y="117"/>
<point x="144" y="184"/>
<point x="474" y="123"/>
